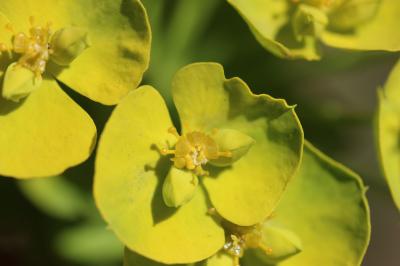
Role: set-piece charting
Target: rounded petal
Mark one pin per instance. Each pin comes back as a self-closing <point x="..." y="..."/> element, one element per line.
<point x="388" y="132"/>
<point x="120" y="38"/>
<point x="326" y="207"/>
<point x="381" y="33"/>
<point x="219" y="259"/>
<point x="133" y="259"/>
<point x="270" y="24"/>
<point x="44" y="134"/>
<point x="205" y="100"/>
<point x="129" y="175"/>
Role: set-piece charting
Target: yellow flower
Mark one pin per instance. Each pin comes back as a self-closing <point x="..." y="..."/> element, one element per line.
<point x="98" y="48"/>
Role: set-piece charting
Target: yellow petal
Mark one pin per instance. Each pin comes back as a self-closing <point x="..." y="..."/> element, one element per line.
<point x="381" y="33"/>
<point x="44" y="134"/>
<point x="205" y="100"/>
<point x="120" y="42"/>
<point x="388" y="128"/>
<point x="129" y="175"/>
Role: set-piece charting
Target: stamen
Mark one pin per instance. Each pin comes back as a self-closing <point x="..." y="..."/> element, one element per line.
<point x="34" y="47"/>
<point x="166" y="151"/>
<point x="193" y="150"/>
<point x="264" y="248"/>
<point x="236" y="261"/>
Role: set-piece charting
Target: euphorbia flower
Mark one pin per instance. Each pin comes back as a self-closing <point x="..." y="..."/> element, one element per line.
<point x="236" y="153"/>
<point x="98" y="48"/>
<point x="322" y="219"/>
<point x="293" y="28"/>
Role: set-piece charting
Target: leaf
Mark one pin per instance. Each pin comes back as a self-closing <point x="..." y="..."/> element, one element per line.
<point x="43" y="135"/>
<point x="388" y="132"/>
<point x="205" y="100"/>
<point x="381" y="33"/>
<point x="325" y="205"/>
<point x="89" y="243"/>
<point x="55" y="196"/>
<point x="269" y="20"/>
<point x="129" y="174"/>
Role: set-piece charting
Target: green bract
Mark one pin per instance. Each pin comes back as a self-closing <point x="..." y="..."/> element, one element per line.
<point x="324" y="207"/>
<point x="292" y="28"/>
<point x="98" y="48"/>
<point x="130" y="168"/>
<point x="388" y="132"/>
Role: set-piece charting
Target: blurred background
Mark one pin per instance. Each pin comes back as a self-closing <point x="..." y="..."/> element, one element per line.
<point x="54" y="221"/>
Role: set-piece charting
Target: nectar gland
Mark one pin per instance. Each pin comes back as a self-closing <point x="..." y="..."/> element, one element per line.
<point x="34" y="48"/>
<point x="240" y="238"/>
<point x="193" y="150"/>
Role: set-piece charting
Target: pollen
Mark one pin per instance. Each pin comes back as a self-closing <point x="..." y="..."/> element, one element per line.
<point x="33" y="47"/>
<point x="193" y="150"/>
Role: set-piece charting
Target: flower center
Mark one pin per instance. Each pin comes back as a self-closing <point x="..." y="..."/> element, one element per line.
<point x="193" y="150"/>
<point x="34" y="48"/>
<point x="240" y="238"/>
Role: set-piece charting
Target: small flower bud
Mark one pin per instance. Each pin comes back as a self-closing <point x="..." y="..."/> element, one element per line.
<point x="19" y="82"/>
<point x="308" y="21"/>
<point x="179" y="187"/>
<point x="67" y="44"/>
<point x="232" y="141"/>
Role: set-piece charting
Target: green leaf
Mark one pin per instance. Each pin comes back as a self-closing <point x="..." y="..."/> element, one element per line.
<point x="206" y="100"/>
<point x="89" y="243"/>
<point x="120" y="42"/>
<point x="129" y="174"/>
<point x="388" y="132"/>
<point x="44" y="134"/>
<point x="55" y="196"/>
<point x="381" y="33"/>
<point x="325" y="205"/>
<point x="270" y="22"/>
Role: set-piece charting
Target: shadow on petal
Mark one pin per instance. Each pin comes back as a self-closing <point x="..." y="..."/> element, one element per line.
<point x="159" y="210"/>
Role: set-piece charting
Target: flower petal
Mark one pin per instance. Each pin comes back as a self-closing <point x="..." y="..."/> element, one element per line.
<point x="120" y="36"/>
<point x="381" y="33"/>
<point x="128" y="186"/>
<point x="326" y="207"/>
<point x="388" y="130"/>
<point x="220" y="259"/>
<point x="205" y="100"/>
<point x="270" y="24"/>
<point x="43" y="135"/>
